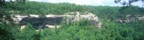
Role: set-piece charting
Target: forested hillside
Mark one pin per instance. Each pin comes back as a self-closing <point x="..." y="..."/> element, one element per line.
<point x="45" y="8"/>
<point x="111" y="30"/>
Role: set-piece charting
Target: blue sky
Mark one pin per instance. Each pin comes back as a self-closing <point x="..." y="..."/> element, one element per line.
<point x="88" y="2"/>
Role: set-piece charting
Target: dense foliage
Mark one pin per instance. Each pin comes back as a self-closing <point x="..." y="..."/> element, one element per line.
<point x="45" y="8"/>
<point x="74" y="31"/>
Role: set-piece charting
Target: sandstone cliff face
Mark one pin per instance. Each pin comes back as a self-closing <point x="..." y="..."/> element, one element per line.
<point x="130" y="18"/>
<point x="68" y="17"/>
<point x="77" y="16"/>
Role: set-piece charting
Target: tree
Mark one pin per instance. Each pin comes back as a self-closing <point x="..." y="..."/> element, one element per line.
<point x="5" y="33"/>
<point x="23" y="1"/>
<point x="27" y="33"/>
<point x="2" y="2"/>
<point x="127" y="3"/>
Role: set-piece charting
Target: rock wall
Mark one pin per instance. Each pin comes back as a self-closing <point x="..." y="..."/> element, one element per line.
<point x="130" y="18"/>
<point x="77" y="16"/>
<point x="48" y="19"/>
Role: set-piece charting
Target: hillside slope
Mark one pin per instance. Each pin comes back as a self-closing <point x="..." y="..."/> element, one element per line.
<point x="111" y="30"/>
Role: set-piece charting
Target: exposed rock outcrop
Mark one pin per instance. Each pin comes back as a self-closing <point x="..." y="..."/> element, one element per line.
<point x="77" y="16"/>
<point x="48" y="19"/>
<point x="130" y="18"/>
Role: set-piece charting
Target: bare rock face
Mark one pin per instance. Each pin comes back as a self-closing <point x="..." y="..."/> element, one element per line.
<point x="18" y="18"/>
<point x="130" y="18"/>
<point x="77" y="16"/>
<point x="53" y="21"/>
<point x="22" y="27"/>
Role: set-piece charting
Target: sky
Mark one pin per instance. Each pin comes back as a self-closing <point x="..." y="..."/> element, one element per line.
<point x="89" y="2"/>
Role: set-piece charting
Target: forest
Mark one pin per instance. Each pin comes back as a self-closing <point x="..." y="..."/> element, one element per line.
<point x="111" y="30"/>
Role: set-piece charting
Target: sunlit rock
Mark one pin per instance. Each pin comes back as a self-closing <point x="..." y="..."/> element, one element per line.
<point x="77" y="16"/>
<point x="22" y="27"/>
<point x="33" y="15"/>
